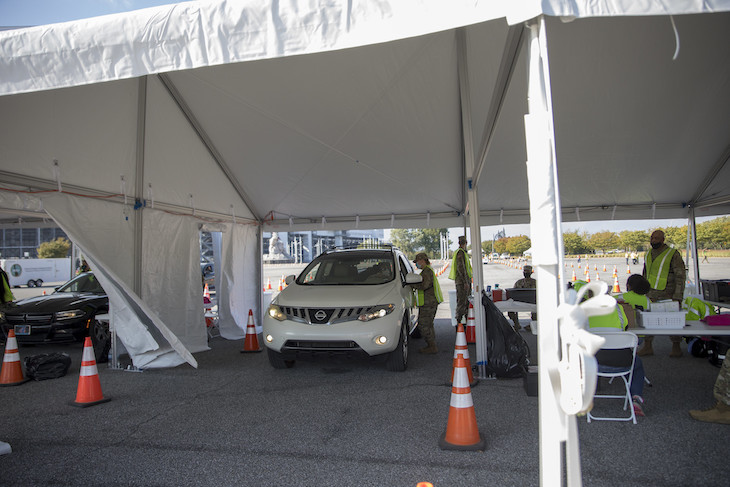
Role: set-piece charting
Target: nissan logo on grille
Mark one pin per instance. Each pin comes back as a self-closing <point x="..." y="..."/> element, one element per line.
<point x="320" y="315"/>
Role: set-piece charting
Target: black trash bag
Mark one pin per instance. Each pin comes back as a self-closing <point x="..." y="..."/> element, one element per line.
<point x="508" y="354"/>
<point x="47" y="365"/>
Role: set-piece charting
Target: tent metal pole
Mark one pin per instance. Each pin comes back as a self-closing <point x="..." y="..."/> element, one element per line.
<point x="695" y="256"/>
<point x="558" y="430"/>
<point x="472" y="198"/>
<point x="207" y="142"/>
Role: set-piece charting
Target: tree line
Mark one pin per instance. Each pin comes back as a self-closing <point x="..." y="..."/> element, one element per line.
<point x="713" y="234"/>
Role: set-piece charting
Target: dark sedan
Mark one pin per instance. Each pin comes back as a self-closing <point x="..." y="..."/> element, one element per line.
<point x="68" y="314"/>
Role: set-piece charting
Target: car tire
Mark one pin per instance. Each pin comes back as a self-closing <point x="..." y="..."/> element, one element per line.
<point x="397" y="360"/>
<point x="31" y="283"/>
<point x="38" y="282"/>
<point x="101" y="340"/>
<point x="279" y="360"/>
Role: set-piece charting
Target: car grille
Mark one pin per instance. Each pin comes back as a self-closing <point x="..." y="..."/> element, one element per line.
<point x="45" y="319"/>
<point x="321" y="346"/>
<point x="323" y="316"/>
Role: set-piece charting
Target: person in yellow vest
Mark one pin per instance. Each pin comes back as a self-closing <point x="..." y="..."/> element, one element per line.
<point x="7" y="295"/>
<point x="697" y="309"/>
<point x="618" y="319"/>
<point x="665" y="271"/>
<point x="428" y="297"/>
<point x="636" y="288"/>
<point x="461" y="274"/>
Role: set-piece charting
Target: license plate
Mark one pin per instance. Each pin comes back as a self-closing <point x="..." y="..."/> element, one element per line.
<point x="22" y="329"/>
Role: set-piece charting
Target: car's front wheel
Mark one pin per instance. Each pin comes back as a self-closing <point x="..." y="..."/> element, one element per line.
<point x="279" y="360"/>
<point x="397" y="360"/>
<point x="101" y="340"/>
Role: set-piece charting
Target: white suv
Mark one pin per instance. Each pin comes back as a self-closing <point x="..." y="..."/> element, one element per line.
<point x="345" y="300"/>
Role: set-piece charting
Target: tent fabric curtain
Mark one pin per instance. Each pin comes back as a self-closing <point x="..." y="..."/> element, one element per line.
<point x="105" y="234"/>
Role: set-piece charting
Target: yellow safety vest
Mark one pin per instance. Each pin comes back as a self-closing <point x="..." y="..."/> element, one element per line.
<point x="467" y="263"/>
<point x="617" y="319"/>
<point x="697" y="309"/>
<point x="7" y="293"/>
<point x="636" y="299"/>
<point x="657" y="270"/>
<point x="421" y="296"/>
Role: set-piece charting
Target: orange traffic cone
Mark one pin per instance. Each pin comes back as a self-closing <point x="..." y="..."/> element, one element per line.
<point x="574" y="278"/>
<point x="251" y="342"/>
<point x="12" y="372"/>
<point x="628" y="269"/>
<point x="461" y="348"/>
<point x="598" y="277"/>
<point x="471" y="329"/>
<point x="206" y="291"/>
<point x="604" y="267"/>
<point x="595" y="267"/>
<point x="280" y="285"/>
<point x="461" y="429"/>
<point x="615" y="271"/>
<point x="588" y="278"/>
<point x="616" y="288"/>
<point x="89" y="390"/>
<point x="268" y="284"/>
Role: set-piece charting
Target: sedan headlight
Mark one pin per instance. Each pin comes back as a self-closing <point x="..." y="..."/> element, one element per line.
<point x="67" y="315"/>
<point x="376" y="312"/>
<point x="275" y="312"/>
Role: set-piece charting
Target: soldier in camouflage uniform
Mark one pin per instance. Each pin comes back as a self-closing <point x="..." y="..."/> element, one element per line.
<point x="720" y="412"/>
<point x="525" y="283"/>
<point x="429" y="297"/>
<point x="461" y="273"/>
<point x="674" y="288"/>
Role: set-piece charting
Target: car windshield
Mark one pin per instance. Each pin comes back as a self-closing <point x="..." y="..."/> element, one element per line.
<point x="85" y="283"/>
<point x="349" y="268"/>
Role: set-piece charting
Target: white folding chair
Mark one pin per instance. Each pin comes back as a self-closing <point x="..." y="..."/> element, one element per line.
<point x="619" y="352"/>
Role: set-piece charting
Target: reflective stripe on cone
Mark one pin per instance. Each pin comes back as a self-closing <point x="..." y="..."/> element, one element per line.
<point x="12" y="371"/>
<point x="251" y="342"/>
<point x="462" y="348"/>
<point x="461" y="430"/>
<point x="89" y="390"/>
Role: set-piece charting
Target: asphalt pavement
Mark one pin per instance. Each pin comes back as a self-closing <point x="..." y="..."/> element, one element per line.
<point x="339" y="420"/>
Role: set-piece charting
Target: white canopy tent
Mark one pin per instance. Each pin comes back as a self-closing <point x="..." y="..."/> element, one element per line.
<point x="136" y="131"/>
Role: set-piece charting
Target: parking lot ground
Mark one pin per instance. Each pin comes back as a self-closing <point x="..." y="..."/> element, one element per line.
<point x="333" y="421"/>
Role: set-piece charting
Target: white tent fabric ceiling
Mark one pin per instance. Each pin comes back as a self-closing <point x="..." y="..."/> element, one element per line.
<point x="302" y="116"/>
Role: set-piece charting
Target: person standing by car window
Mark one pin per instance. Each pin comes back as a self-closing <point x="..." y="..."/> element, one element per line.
<point x="461" y="275"/>
<point x="7" y="294"/>
<point x="427" y="299"/>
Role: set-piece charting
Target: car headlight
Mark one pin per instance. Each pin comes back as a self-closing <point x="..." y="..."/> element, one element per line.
<point x="67" y="315"/>
<point x="275" y="312"/>
<point x="2" y="316"/>
<point x="376" y="312"/>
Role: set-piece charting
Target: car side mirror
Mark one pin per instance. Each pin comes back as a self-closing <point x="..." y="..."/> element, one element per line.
<point x="289" y="279"/>
<point x="413" y="278"/>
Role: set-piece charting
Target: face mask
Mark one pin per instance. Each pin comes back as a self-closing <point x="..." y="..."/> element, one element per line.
<point x="656" y="245"/>
<point x="418" y="265"/>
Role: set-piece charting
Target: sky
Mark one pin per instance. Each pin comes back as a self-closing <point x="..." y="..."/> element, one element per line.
<point x="24" y="13"/>
<point x="38" y="12"/>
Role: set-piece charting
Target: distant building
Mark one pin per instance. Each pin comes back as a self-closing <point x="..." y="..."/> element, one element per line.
<point x="21" y="242"/>
<point x="305" y="246"/>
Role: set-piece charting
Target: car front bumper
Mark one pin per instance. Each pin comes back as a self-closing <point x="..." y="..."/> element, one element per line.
<point x="289" y="335"/>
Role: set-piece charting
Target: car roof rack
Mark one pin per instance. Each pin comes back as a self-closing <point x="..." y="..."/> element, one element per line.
<point x="369" y="246"/>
